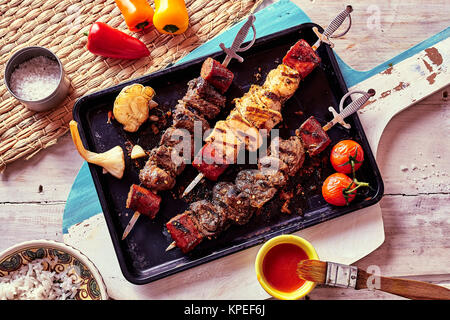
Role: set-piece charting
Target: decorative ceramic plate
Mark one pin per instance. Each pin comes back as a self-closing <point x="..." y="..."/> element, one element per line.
<point x="67" y="259"/>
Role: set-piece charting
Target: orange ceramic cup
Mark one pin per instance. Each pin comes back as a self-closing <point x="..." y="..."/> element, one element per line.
<point x="305" y="288"/>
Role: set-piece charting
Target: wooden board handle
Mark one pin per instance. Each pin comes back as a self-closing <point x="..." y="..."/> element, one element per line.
<point x="411" y="289"/>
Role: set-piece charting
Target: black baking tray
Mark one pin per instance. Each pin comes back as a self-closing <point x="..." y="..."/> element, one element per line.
<point x="142" y="256"/>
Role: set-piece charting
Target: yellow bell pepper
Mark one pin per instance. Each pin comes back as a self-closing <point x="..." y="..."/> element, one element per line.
<point x="171" y="16"/>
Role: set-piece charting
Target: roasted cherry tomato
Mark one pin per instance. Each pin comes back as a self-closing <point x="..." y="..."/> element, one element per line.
<point x="344" y="153"/>
<point x="338" y="189"/>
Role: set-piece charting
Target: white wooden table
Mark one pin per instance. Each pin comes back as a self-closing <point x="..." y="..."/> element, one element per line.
<point x="412" y="156"/>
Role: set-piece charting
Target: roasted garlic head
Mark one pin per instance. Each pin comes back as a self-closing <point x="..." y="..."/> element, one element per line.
<point x="132" y="105"/>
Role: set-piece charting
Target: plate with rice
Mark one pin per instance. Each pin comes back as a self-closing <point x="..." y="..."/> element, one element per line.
<point x="48" y="270"/>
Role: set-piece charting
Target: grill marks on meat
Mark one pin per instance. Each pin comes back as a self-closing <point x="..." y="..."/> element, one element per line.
<point x="258" y="109"/>
<point x="184" y="231"/>
<point x="202" y="106"/>
<point x="235" y="203"/>
<point x="290" y="152"/>
<point x="184" y="117"/>
<point x="260" y="185"/>
<point x="155" y="178"/>
<point x="201" y="101"/>
<point x="209" y="218"/>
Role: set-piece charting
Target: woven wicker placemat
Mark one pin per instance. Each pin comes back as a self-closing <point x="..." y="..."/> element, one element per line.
<point x="59" y="26"/>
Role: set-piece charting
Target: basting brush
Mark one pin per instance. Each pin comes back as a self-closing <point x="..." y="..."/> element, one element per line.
<point x="344" y="276"/>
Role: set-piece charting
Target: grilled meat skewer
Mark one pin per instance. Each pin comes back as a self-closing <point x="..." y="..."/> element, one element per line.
<point x="202" y="101"/>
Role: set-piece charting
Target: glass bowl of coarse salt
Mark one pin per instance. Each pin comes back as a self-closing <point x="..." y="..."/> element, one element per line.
<point x="35" y="76"/>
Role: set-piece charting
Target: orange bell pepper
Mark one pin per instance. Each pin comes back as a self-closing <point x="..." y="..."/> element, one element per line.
<point x="138" y="14"/>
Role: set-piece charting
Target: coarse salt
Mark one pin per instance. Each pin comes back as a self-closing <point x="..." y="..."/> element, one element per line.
<point x="35" y="79"/>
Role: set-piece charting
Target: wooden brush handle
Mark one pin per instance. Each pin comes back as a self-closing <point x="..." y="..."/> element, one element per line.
<point x="410" y="289"/>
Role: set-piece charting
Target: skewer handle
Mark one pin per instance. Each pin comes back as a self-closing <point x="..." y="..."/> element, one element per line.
<point x="332" y="27"/>
<point x="349" y="110"/>
<point x="238" y="41"/>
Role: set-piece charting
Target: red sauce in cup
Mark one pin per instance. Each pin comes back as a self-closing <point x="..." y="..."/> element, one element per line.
<point x="280" y="266"/>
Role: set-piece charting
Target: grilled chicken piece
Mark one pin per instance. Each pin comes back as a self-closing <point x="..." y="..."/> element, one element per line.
<point x="155" y="178"/>
<point x="236" y="132"/>
<point x="260" y="107"/>
<point x="282" y="81"/>
<point x="264" y="97"/>
<point x="235" y="202"/>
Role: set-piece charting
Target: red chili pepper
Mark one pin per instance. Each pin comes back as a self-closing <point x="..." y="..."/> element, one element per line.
<point x="106" y="41"/>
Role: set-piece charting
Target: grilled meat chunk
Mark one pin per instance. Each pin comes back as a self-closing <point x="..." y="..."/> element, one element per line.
<point x="155" y="178"/>
<point x="209" y="218"/>
<point x="167" y="158"/>
<point x="202" y="106"/>
<point x="179" y="139"/>
<point x="302" y="58"/>
<point x="282" y="81"/>
<point x="235" y="202"/>
<point x="314" y="138"/>
<point x="261" y="186"/>
<point x="216" y="74"/>
<point x="184" y="117"/>
<point x="206" y="91"/>
<point x="184" y="231"/>
<point x="290" y="151"/>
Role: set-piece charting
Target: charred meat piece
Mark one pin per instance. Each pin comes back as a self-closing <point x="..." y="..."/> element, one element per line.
<point x="216" y="74"/>
<point x="260" y="185"/>
<point x="314" y="138"/>
<point x="264" y="97"/>
<point x="207" y="91"/>
<point x="273" y="163"/>
<point x="155" y="178"/>
<point x="185" y="117"/>
<point x="184" y="232"/>
<point x="302" y="58"/>
<point x="167" y="158"/>
<point x="235" y="202"/>
<point x="179" y="139"/>
<point x="290" y="151"/>
<point x="209" y="218"/>
<point x="143" y="201"/>
<point x="202" y="106"/>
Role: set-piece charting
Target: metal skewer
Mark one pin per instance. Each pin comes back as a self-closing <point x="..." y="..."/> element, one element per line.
<point x="323" y="37"/>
